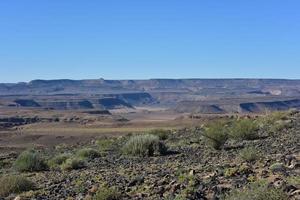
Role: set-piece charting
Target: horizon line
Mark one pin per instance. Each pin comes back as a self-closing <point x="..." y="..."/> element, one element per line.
<point x="144" y="79"/>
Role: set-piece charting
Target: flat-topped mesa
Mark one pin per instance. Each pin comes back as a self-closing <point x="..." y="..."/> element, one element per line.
<point x="205" y="95"/>
<point x="67" y="86"/>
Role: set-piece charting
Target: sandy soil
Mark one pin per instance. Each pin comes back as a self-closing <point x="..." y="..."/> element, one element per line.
<point x="86" y="127"/>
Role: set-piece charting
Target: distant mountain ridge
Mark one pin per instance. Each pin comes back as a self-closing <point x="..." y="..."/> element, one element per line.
<point x="183" y="95"/>
<point x="100" y="86"/>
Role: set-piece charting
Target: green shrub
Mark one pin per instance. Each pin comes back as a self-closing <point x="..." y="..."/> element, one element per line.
<point x="217" y="134"/>
<point x="144" y="145"/>
<point x="277" y="115"/>
<point x="6" y="164"/>
<point x="58" y="160"/>
<point x="29" y="161"/>
<point x="14" y="184"/>
<point x="88" y="153"/>
<point x="161" y="133"/>
<point x="249" y="154"/>
<point x="256" y="191"/>
<point x="107" y="193"/>
<point x="104" y="144"/>
<point x="275" y="121"/>
<point x="277" y="126"/>
<point x="244" y="129"/>
<point x="277" y="167"/>
<point x="73" y="163"/>
<point x="229" y="172"/>
<point x="190" y="182"/>
<point x="238" y="170"/>
<point x="294" y="180"/>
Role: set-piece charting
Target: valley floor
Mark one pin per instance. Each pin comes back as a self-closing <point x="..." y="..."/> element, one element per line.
<point x="190" y="169"/>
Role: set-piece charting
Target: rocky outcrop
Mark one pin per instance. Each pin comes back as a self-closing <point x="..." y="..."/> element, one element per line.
<point x="66" y="104"/>
<point x="7" y="122"/>
<point x="236" y="106"/>
<point x="270" y="106"/>
<point x="113" y="103"/>
<point x="98" y="112"/>
<point x="27" y="103"/>
<point x="140" y="98"/>
<point x="71" y="103"/>
<point x="196" y="108"/>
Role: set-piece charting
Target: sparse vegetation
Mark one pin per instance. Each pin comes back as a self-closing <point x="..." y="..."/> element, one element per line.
<point x="104" y="144"/>
<point x="217" y="134"/>
<point x="161" y="133"/>
<point x="73" y="163"/>
<point x="250" y="154"/>
<point x="191" y="170"/>
<point x="276" y="121"/>
<point x="229" y="172"/>
<point x="144" y="145"/>
<point x="277" y="167"/>
<point x="257" y="191"/>
<point x="190" y="182"/>
<point x="58" y="160"/>
<point x="237" y="170"/>
<point x="107" y="193"/>
<point x="244" y="129"/>
<point x="88" y="153"/>
<point x="294" y="181"/>
<point x="277" y="115"/>
<point x="14" y="184"/>
<point x="30" y="161"/>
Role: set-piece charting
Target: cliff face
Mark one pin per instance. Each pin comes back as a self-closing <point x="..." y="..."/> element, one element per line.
<point x="73" y="104"/>
<point x="237" y="106"/>
<point x="270" y="106"/>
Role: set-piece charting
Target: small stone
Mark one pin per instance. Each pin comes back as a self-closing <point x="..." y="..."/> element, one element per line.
<point x="136" y="181"/>
<point x="294" y="164"/>
<point x="175" y="187"/>
<point x="192" y="172"/>
<point x="296" y="194"/>
<point x="88" y="197"/>
<point x="264" y="174"/>
<point x="278" y="183"/>
<point x="93" y="189"/>
<point x="290" y="188"/>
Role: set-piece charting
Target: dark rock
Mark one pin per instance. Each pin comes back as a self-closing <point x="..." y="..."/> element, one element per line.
<point x="136" y="181"/>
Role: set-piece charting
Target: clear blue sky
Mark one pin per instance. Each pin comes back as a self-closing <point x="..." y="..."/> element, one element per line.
<point x="137" y="39"/>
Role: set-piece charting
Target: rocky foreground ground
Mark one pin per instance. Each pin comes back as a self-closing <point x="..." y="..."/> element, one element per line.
<point x="190" y="169"/>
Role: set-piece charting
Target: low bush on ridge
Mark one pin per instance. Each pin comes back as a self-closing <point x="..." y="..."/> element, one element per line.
<point x="14" y="184"/>
<point x="144" y="145"/>
<point x="256" y="191"/>
<point x="216" y="134"/>
<point x="58" y="160"/>
<point x="29" y="161"/>
<point x="276" y="121"/>
<point x="105" y="144"/>
<point x="88" y="153"/>
<point x="72" y="163"/>
<point x="250" y="154"/>
<point x="161" y="133"/>
<point x="244" y="129"/>
<point x="107" y="193"/>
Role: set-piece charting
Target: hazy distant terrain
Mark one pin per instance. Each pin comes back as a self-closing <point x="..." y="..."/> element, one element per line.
<point x="201" y="95"/>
